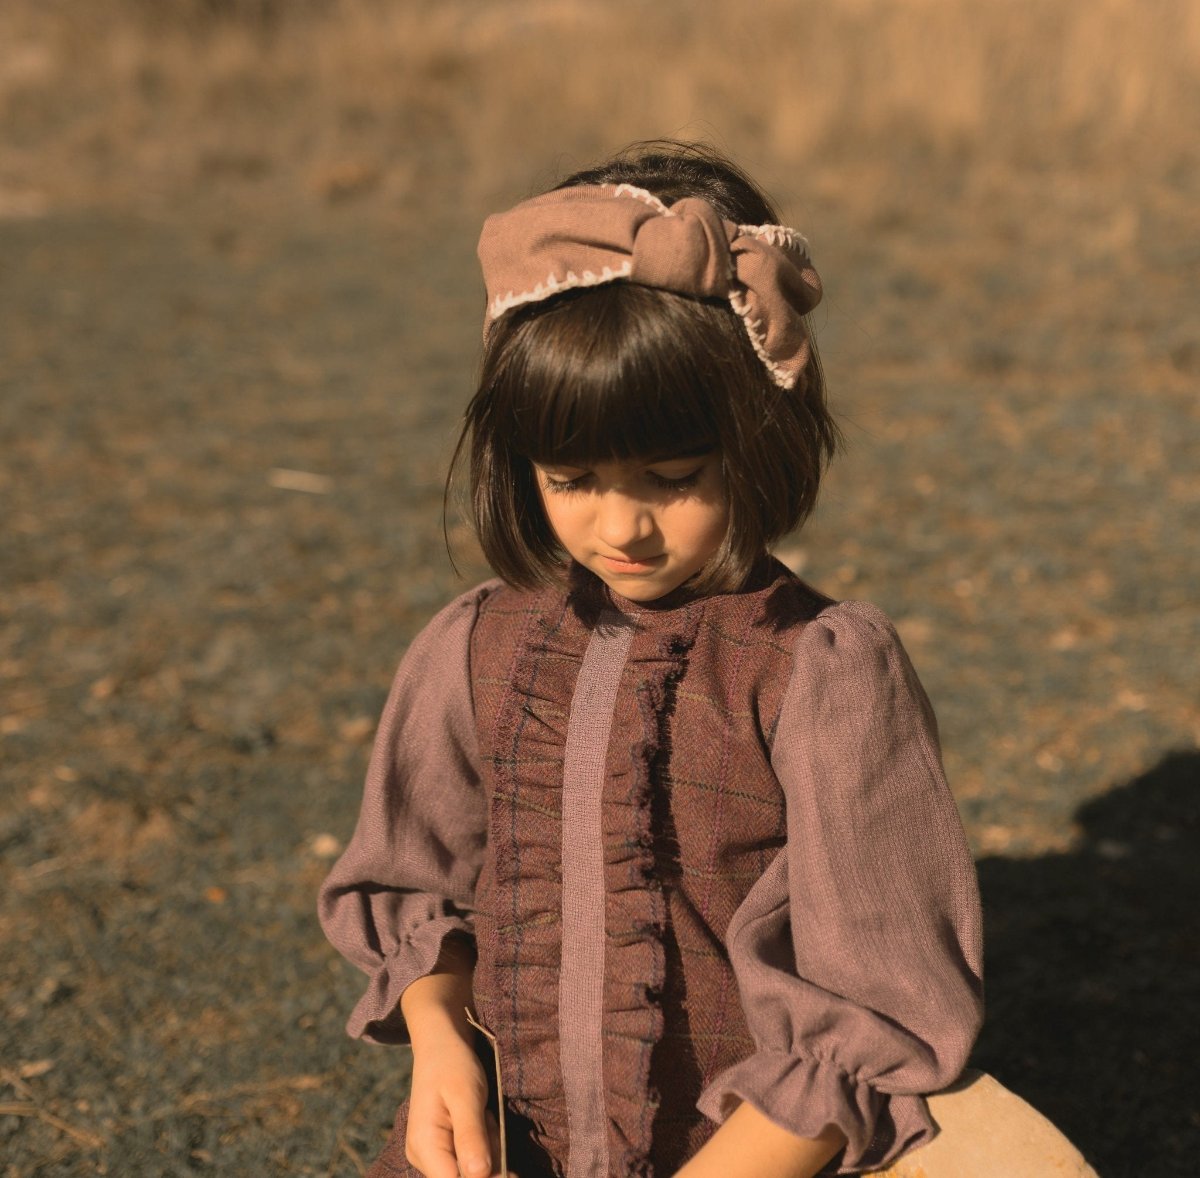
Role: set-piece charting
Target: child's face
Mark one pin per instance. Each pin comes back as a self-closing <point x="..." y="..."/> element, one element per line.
<point x="643" y="527"/>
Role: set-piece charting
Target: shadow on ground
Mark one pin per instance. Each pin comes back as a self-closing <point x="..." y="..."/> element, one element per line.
<point x="1094" y="967"/>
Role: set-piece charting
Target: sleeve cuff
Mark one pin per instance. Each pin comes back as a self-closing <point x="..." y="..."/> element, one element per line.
<point x="376" y="1018"/>
<point x="805" y="1096"/>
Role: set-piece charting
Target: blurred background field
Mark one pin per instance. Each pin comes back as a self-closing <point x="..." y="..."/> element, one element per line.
<point x="238" y="320"/>
<point x="148" y="103"/>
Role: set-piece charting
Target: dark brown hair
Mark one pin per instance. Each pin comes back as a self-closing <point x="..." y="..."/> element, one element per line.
<point x="623" y="371"/>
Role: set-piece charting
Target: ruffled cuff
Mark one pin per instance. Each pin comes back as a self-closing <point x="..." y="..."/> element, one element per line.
<point x="377" y="1017"/>
<point x="804" y="1096"/>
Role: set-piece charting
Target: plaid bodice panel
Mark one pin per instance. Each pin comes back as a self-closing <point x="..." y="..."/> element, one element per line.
<point x="690" y="816"/>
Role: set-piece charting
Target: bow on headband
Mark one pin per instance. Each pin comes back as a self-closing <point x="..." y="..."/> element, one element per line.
<point x="594" y="234"/>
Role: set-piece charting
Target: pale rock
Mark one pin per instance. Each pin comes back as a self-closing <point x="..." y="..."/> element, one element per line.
<point x="988" y="1132"/>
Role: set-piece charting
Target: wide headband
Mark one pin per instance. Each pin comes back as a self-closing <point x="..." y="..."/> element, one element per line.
<point x="595" y="234"/>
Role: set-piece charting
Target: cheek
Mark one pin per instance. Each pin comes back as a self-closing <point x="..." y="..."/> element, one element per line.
<point x="704" y="529"/>
<point x="560" y="514"/>
<point x="716" y="509"/>
<point x="718" y="526"/>
<point x="548" y="510"/>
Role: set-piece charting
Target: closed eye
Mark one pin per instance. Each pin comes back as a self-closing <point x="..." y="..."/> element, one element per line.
<point x="676" y="478"/>
<point x="566" y="486"/>
<point x="679" y="483"/>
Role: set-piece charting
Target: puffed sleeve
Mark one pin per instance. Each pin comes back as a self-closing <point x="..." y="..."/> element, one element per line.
<point x="406" y="880"/>
<point x="858" y="952"/>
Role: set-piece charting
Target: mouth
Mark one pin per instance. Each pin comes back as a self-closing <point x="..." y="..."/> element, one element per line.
<point x="620" y="564"/>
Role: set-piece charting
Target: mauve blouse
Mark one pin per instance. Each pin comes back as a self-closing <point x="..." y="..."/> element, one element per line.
<point x="856" y="952"/>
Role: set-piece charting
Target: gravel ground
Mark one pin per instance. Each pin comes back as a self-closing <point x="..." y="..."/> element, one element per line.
<point x="223" y="437"/>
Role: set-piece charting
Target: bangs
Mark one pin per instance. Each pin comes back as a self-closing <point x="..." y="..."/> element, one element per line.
<point x="612" y="373"/>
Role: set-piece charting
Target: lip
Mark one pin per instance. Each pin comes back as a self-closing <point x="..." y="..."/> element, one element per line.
<point x="617" y="564"/>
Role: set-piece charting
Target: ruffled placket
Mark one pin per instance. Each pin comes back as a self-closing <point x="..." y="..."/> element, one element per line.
<point x="571" y="916"/>
<point x="633" y="902"/>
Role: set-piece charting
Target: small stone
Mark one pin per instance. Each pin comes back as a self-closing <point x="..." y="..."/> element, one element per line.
<point x="103" y="688"/>
<point x="1131" y="701"/>
<point x="357" y="730"/>
<point x="299" y="480"/>
<point x="325" y="846"/>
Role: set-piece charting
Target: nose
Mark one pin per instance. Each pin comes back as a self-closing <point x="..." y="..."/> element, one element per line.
<point x="623" y="522"/>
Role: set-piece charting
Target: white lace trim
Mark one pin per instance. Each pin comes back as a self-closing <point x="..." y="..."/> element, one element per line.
<point x="555" y="285"/>
<point x="779" y="236"/>
<point x="758" y="341"/>
<point x="644" y="196"/>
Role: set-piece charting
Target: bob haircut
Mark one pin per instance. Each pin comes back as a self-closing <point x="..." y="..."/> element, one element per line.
<point x="623" y="371"/>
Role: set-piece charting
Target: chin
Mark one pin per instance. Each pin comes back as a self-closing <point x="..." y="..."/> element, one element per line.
<point x="635" y="590"/>
<point x="640" y="592"/>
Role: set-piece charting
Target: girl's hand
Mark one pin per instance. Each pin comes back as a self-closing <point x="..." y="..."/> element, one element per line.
<point x="450" y="1131"/>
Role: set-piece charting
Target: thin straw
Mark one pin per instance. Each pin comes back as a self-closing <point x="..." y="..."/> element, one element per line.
<point x="499" y="1089"/>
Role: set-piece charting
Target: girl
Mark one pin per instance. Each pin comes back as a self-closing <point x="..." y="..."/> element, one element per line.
<point x="669" y="821"/>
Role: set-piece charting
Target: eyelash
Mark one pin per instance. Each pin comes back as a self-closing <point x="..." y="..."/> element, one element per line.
<point x="576" y="486"/>
<point x="570" y="487"/>
<point x="688" y="480"/>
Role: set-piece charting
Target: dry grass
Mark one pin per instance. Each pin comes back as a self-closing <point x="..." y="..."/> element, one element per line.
<point x="114" y="103"/>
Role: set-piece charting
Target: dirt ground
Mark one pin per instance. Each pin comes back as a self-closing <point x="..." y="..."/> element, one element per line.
<point x="224" y="420"/>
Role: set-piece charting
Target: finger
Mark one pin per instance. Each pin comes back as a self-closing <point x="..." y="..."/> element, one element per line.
<point x="432" y="1152"/>
<point x="493" y="1132"/>
<point x="471" y="1146"/>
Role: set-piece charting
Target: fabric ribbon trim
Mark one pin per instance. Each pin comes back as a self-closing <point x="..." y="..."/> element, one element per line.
<point x="591" y="235"/>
